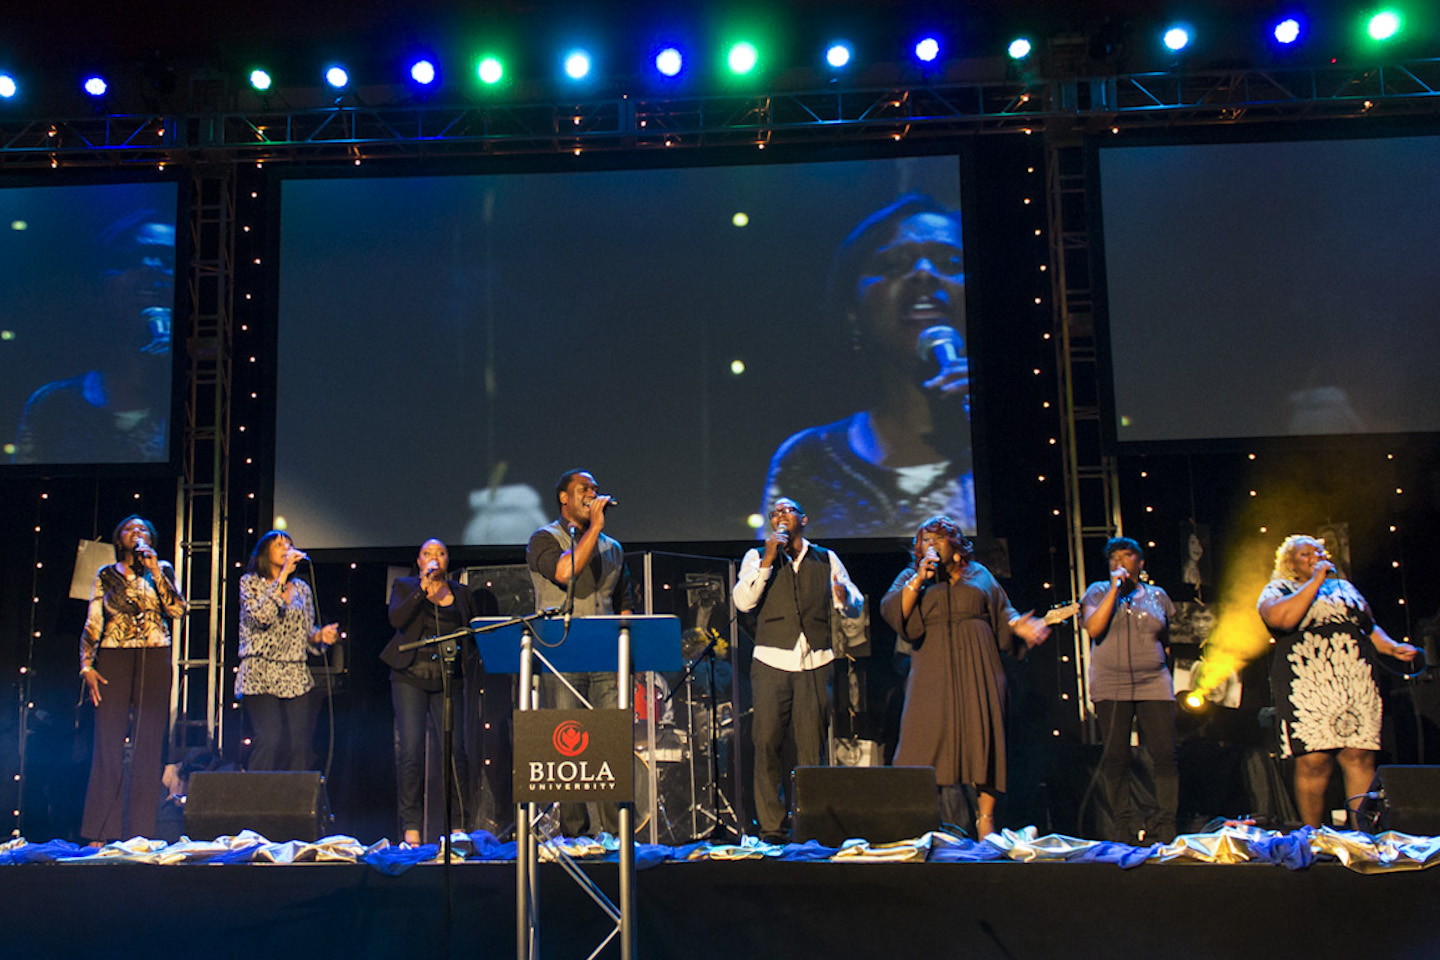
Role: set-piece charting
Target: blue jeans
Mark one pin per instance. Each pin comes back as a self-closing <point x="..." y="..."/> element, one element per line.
<point x="413" y="706"/>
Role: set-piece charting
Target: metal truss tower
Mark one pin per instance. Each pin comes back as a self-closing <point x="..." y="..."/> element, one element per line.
<point x="202" y="511"/>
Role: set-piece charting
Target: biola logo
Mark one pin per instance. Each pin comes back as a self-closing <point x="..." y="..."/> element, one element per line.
<point x="569" y="772"/>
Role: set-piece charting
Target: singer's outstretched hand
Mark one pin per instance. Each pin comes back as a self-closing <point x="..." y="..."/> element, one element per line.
<point x="327" y="634"/>
<point x="953" y="380"/>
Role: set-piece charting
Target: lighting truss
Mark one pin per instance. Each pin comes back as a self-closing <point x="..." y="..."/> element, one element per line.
<point x="345" y="132"/>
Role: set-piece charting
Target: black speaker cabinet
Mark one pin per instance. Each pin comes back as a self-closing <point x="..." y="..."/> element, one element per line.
<point x="278" y="806"/>
<point x="1411" y="798"/>
<point x="879" y="804"/>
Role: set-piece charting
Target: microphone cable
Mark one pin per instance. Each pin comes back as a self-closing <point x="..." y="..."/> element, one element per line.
<point x="329" y="679"/>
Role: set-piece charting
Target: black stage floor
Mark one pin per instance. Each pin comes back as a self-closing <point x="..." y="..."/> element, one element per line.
<point x="743" y="910"/>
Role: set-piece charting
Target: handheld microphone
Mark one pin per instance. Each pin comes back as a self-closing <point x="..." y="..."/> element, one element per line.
<point x="142" y="548"/>
<point x="942" y="344"/>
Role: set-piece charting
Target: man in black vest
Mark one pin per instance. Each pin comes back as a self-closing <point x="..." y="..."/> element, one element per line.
<point x="791" y="585"/>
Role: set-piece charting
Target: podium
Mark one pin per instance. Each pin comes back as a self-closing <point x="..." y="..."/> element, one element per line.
<point x="584" y="644"/>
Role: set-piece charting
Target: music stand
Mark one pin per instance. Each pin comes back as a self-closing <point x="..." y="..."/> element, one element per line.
<point x="587" y="644"/>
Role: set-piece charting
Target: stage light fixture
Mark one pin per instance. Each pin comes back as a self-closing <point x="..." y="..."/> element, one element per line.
<point x="577" y="64"/>
<point x="669" y="62"/>
<point x="1383" y="25"/>
<point x="8" y="87"/>
<point x="838" y="55"/>
<point x="260" y="80"/>
<point x="1019" y="48"/>
<point x="422" y="72"/>
<point x="490" y="70"/>
<point x="1288" y="31"/>
<point x="927" y="50"/>
<point x="337" y="77"/>
<point x="1176" y="37"/>
<point x="95" y="86"/>
<point x="742" y="57"/>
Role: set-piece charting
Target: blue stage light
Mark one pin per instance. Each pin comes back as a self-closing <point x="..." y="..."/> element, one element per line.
<point x="1177" y="37"/>
<point x="927" y="49"/>
<point x="669" y="62"/>
<point x="260" y="80"/>
<point x="838" y="55"/>
<point x="95" y="86"/>
<point x="337" y="77"/>
<point x="1019" y="48"/>
<point x="8" y="88"/>
<point x="422" y="72"/>
<point x="1288" y="31"/>
<point x="577" y="64"/>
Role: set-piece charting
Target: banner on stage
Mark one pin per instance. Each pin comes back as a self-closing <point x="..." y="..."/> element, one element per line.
<point x="574" y="755"/>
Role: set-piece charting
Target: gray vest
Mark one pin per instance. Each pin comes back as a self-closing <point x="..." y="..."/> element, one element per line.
<point x="793" y="603"/>
<point x="591" y="596"/>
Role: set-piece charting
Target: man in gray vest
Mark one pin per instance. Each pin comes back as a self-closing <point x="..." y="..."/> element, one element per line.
<point x="791" y="585"/>
<point x="574" y="548"/>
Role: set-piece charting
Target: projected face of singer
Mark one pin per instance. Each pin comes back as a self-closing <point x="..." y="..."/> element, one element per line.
<point x="141" y="278"/>
<point x="914" y="280"/>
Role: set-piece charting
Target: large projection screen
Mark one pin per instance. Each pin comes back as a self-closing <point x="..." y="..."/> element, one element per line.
<point x="448" y="345"/>
<point x="1273" y="289"/>
<point x="87" y="298"/>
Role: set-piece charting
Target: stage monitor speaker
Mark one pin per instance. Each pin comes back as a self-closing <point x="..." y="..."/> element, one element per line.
<point x="879" y="804"/>
<point x="1410" y="798"/>
<point x="280" y="806"/>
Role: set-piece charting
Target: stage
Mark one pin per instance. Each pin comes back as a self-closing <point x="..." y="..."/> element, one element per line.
<point x="727" y="908"/>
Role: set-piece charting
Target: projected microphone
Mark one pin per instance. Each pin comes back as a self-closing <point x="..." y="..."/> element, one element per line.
<point x="158" y="324"/>
<point x="941" y="343"/>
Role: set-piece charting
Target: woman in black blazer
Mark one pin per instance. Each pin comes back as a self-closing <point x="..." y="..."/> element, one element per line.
<point x="429" y="604"/>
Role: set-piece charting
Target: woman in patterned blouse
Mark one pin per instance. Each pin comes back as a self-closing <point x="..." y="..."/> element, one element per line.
<point x="1320" y="676"/>
<point x="125" y="648"/>
<point x="277" y="631"/>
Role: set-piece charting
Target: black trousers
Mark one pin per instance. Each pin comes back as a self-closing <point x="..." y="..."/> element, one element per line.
<point x="135" y="701"/>
<point x="795" y="703"/>
<point x="282" y="730"/>
<point x="1156" y="720"/>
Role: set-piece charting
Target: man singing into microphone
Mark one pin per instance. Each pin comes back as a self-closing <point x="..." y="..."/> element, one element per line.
<point x="897" y="289"/>
<point x="791" y="585"/>
<point x="1129" y="622"/>
<point x="574" y="566"/>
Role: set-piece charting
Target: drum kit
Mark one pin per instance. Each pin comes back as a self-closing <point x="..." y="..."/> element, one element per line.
<point x="683" y="759"/>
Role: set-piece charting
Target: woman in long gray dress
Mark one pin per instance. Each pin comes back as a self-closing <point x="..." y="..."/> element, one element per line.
<point x="959" y="620"/>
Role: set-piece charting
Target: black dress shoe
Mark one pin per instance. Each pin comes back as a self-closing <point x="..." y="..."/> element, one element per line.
<point x="775" y="838"/>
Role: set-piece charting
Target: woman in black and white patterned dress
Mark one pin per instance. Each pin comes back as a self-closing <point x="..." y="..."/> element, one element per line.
<point x="277" y="631"/>
<point x="1321" y="675"/>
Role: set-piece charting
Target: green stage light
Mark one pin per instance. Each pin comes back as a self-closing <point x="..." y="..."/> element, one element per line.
<point x="742" y="58"/>
<point x="1384" y="25"/>
<point x="490" y="70"/>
